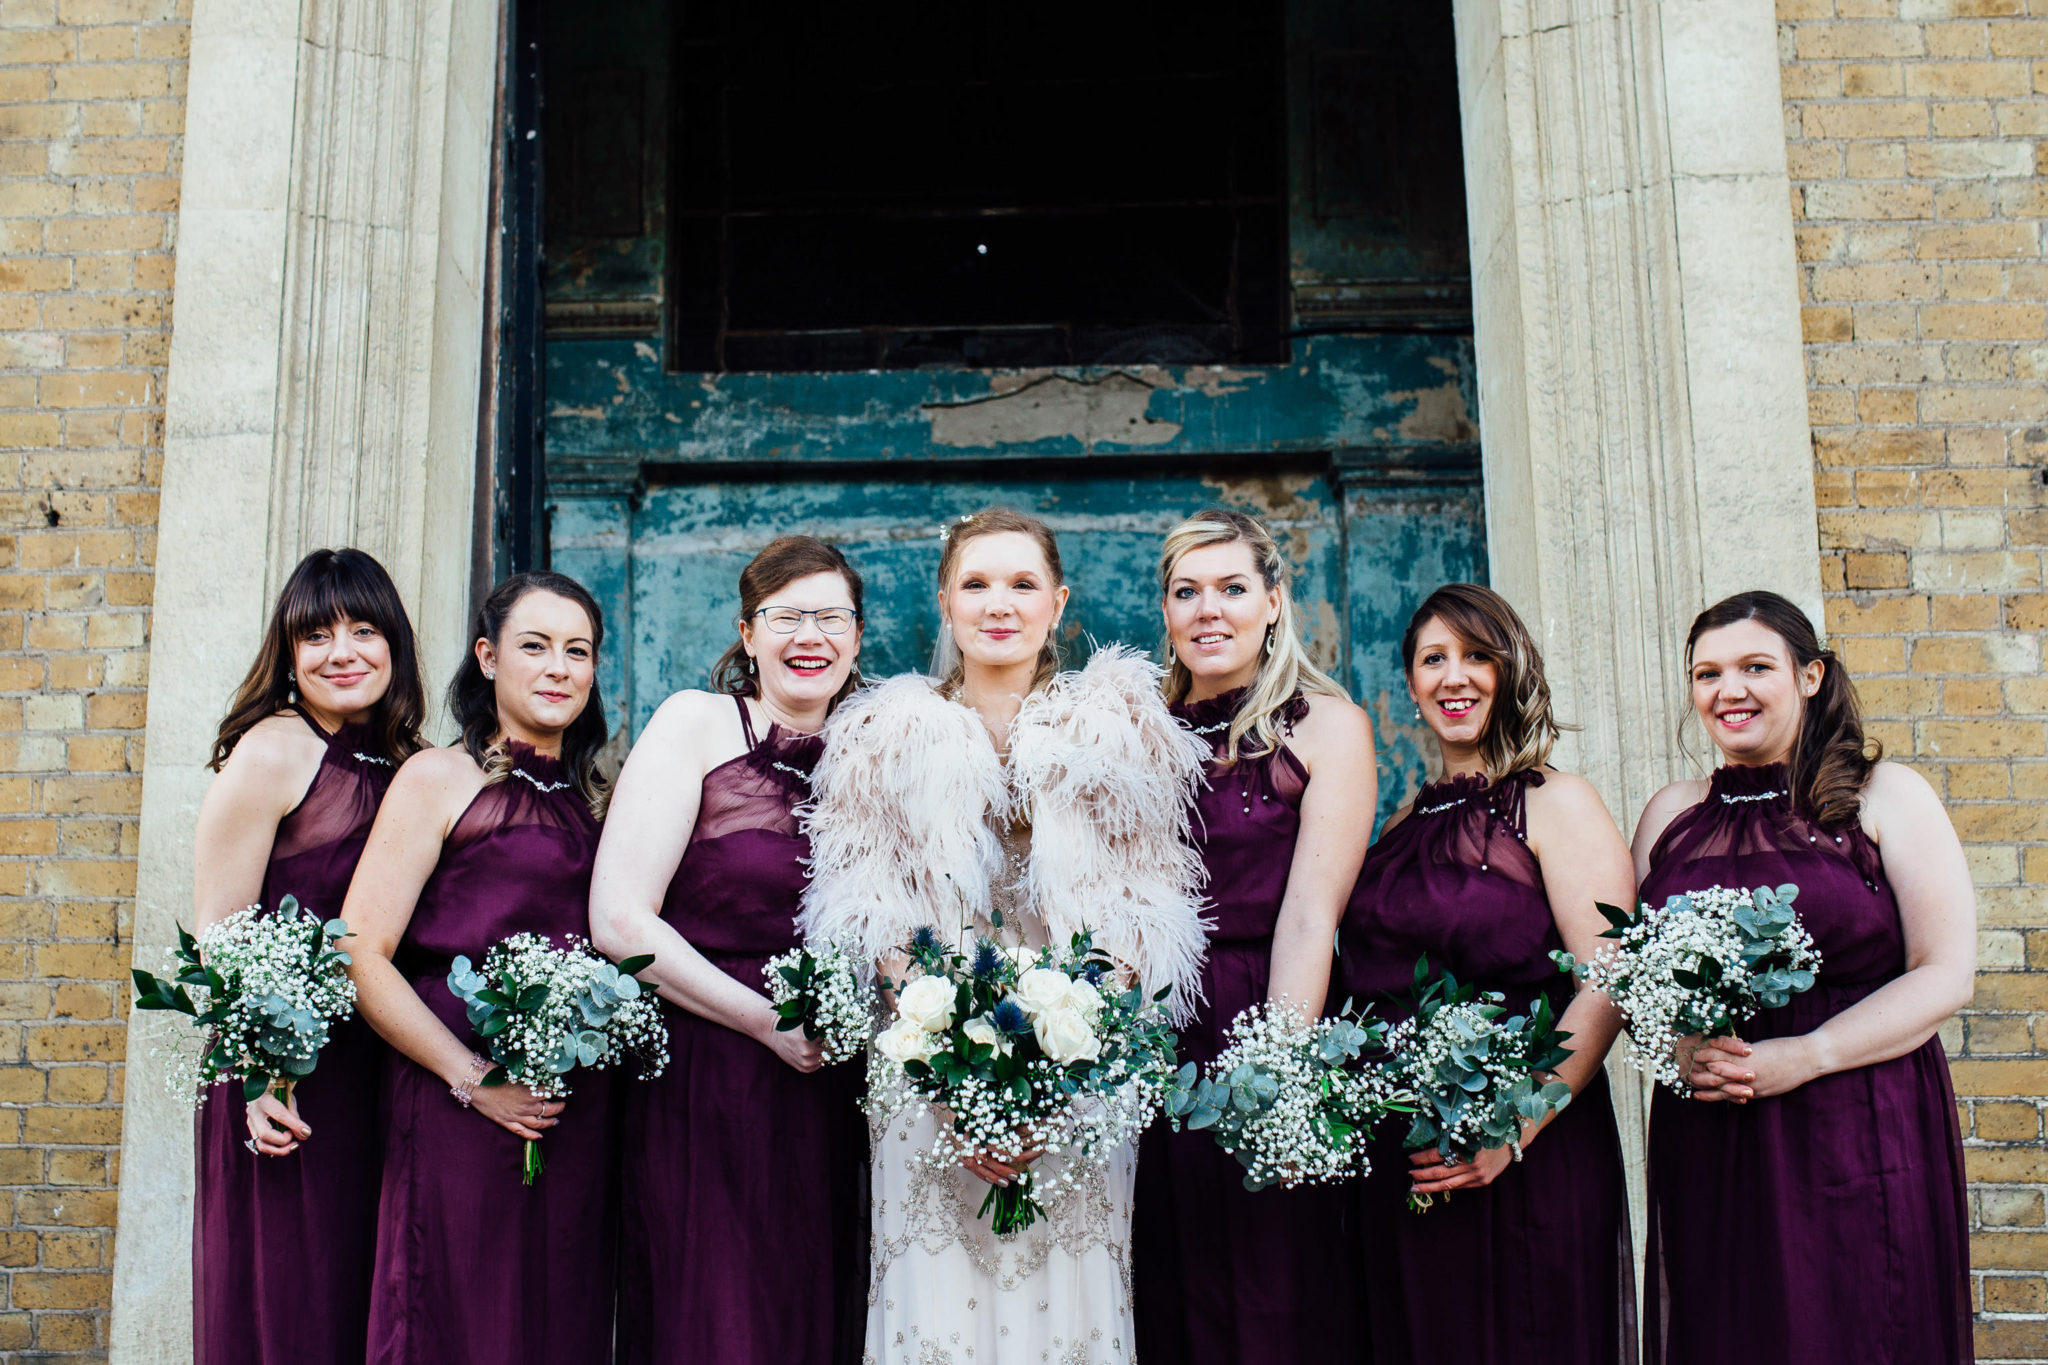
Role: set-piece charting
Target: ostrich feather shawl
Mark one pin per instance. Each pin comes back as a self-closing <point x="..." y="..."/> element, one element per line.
<point x="909" y="793"/>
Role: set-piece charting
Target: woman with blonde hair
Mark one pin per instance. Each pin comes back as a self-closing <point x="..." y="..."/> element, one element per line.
<point x="1490" y="869"/>
<point x="1010" y="800"/>
<point x="1222" y="1274"/>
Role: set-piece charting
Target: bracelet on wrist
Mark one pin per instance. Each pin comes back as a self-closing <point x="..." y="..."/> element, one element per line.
<point x="465" y="1089"/>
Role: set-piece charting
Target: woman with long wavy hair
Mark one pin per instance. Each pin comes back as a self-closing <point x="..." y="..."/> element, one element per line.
<point x="1490" y="869"/>
<point x="1006" y="799"/>
<point x="1225" y="1276"/>
<point x="285" y="1209"/>
<point x="490" y="837"/>
<point x="746" y="1229"/>
<point x="1807" y="1203"/>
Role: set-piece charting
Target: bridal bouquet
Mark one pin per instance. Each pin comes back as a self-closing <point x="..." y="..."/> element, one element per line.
<point x="1289" y="1097"/>
<point x="1699" y="966"/>
<point x="816" y="988"/>
<point x="267" y="988"/>
<point x="543" y="1011"/>
<point x="1029" y="1050"/>
<point x="1476" y="1071"/>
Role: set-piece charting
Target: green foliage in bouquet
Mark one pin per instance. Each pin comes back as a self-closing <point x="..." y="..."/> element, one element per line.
<point x="1476" y="1071"/>
<point x="268" y="986"/>
<point x="1294" y="1102"/>
<point x="1011" y="1040"/>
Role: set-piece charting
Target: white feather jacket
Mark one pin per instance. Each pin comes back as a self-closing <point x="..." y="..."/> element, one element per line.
<point x="910" y="795"/>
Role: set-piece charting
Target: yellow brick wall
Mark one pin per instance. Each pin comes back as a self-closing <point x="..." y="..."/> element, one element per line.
<point x="91" y="111"/>
<point x="1917" y="135"/>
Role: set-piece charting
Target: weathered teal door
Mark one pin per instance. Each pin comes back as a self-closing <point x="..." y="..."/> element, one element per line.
<point x="1355" y="439"/>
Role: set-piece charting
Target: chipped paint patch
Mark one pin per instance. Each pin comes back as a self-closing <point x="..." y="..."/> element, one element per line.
<point x="1090" y="411"/>
<point x="1276" y="497"/>
<point x="1439" y="414"/>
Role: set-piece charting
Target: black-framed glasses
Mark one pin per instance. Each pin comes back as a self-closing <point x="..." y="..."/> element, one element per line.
<point x="831" y="620"/>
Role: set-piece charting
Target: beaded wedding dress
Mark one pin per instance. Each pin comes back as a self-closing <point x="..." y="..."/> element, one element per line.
<point x="917" y="822"/>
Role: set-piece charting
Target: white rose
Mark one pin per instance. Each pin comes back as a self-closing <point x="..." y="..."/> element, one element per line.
<point x="1083" y="998"/>
<point x="982" y="1029"/>
<point x="1040" y="990"/>
<point x="1067" y="1037"/>
<point x="928" y="1003"/>
<point x="903" y="1041"/>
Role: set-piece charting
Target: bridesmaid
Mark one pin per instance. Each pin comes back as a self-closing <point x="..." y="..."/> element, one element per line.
<point x="745" y="1236"/>
<point x="1224" y="1275"/>
<point x="1807" y="1203"/>
<point x="1487" y="871"/>
<point x="478" y="841"/>
<point x="282" y="1248"/>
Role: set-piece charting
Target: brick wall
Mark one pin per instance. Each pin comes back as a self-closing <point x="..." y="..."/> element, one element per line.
<point x="1917" y="133"/>
<point x="91" y="109"/>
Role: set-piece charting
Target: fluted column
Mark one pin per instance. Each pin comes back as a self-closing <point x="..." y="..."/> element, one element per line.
<point x="323" y="390"/>
<point x="1642" y="391"/>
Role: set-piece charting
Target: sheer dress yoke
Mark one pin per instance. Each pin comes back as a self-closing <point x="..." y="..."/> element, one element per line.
<point x="282" y="1246"/>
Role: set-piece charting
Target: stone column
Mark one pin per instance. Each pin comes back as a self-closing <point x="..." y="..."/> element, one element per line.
<point x="323" y="390"/>
<point x="1642" y="392"/>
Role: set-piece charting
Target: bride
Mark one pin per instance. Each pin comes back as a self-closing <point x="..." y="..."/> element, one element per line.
<point x="1010" y="800"/>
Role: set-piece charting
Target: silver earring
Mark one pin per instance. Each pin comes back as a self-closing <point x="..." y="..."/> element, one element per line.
<point x="1269" y="639"/>
<point x="750" y="665"/>
<point x="490" y="674"/>
<point x="1418" y="710"/>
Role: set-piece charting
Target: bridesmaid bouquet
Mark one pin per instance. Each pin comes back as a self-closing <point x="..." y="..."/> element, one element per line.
<point x="1029" y="1050"/>
<point x="1700" y="965"/>
<point x="543" y="1011"/>
<point x="1289" y="1097"/>
<point x="1475" y="1070"/>
<point x="267" y="987"/>
<point x="817" y="989"/>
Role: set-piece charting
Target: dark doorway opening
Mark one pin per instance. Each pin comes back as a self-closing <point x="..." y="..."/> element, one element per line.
<point x="974" y="184"/>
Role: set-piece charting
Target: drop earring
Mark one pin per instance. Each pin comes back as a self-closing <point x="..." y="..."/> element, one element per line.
<point x="292" y="692"/>
<point x="750" y="665"/>
<point x="1418" y="710"/>
<point x="1269" y="639"/>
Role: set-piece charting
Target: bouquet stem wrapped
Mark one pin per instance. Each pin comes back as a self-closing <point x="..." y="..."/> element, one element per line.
<point x="1698" y="966"/>
<point x="1290" y="1097"/>
<point x="1477" y="1072"/>
<point x="262" y="992"/>
<point x="1030" y="1051"/>
<point x="817" y="988"/>
<point x="543" y="1011"/>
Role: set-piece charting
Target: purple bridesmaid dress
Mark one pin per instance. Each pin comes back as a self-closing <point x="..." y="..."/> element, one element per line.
<point x="281" y="1246"/>
<point x="1224" y="1276"/>
<point x="1536" y="1268"/>
<point x="746" y="1212"/>
<point x="1828" y="1223"/>
<point x="474" y="1268"/>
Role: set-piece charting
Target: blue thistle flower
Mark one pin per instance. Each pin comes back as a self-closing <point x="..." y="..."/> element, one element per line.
<point x="1010" y="1017"/>
<point x="987" y="961"/>
<point x="1094" y="971"/>
<point x="924" y="940"/>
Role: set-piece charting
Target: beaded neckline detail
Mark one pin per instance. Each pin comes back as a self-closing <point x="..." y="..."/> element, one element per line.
<point x="1732" y="797"/>
<point x="1440" y="808"/>
<point x="545" y="788"/>
<point x="362" y="757"/>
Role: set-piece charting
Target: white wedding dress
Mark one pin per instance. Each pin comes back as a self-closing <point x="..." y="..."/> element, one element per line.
<point x="917" y="823"/>
<point x="945" y="1290"/>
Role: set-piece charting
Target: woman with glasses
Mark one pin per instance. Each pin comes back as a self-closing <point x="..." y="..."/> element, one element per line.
<point x="745" y="1213"/>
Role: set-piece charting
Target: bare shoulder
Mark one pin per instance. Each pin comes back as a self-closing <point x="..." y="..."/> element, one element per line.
<point x="690" y="709"/>
<point x="274" y="747"/>
<point x="1896" y="798"/>
<point x="437" y="778"/>
<point x="1566" y="796"/>
<point x="268" y="771"/>
<point x="1666" y="806"/>
<point x="1332" y="723"/>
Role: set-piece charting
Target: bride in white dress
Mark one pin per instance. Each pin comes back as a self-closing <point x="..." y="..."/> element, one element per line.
<point x="1008" y="800"/>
